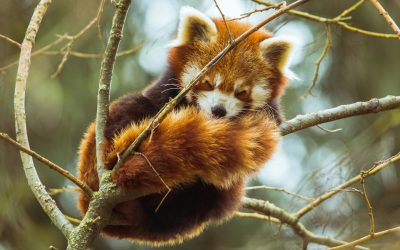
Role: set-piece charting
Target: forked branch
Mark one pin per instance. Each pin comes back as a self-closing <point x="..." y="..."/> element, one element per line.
<point x="48" y="163"/>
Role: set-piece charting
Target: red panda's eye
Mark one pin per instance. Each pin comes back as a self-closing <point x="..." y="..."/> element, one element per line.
<point x="208" y="84"/>
<point x="205" y="85"/>
<point x="241" y="94"/>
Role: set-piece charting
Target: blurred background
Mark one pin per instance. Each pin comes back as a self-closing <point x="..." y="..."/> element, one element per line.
<point x="309" y="162"/>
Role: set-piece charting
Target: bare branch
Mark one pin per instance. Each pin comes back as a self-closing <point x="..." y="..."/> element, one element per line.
<point x="107" y="65"/>
<point x="168" y="107"/>
<point x="359" y="108"/>
<point x="370" y="211"/>
<point x="10" y="40"/>
<point x="247" y="14"/>
<point x="386" y="15"/>
<point x="48" y="163"/>
<point x="35" y="53"/>
<point x="352" y="8"/>
<point x="375" y="169"/>
<point x="100" y="208"/>
<point x="327" y="47"/>
<point x="223" y="19"/>
<point x="92" y="55"/>
<point x="350" y="245"/>
<point x="67" y="48"/>
<point x="269" y="209"/>
<point x="336" y="20"/>
<point x="329" y="130"/>
<point x="257" y="216"/>
<point x="281" y="190"/>
<point x="99" y="14"/>
<point x="54" y="191"/>
<point x="34" y="182"/>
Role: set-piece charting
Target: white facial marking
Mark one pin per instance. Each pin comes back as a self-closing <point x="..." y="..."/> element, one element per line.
<point x="217" y="80"/>
<point x="209" y="99"/>
<point x="259" y="94"/>
<point x="189" y="73"/>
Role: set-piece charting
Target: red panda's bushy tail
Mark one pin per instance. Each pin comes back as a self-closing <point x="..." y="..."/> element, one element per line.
<point x="187" y="145"/>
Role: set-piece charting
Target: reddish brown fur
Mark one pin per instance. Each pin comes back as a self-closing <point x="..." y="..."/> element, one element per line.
<point x="204" y="161"/>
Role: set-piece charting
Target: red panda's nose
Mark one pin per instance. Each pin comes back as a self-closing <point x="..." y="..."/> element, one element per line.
<point x="218" y="111"/>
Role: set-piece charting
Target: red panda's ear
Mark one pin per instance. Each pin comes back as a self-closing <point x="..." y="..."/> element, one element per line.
<point x="194" y="25"/>
<point x="277" y="51"/>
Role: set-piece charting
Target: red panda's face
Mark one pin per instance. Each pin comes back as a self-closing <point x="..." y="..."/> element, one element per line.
<point x="223" y="94"/>
<point x="247" y="78"/>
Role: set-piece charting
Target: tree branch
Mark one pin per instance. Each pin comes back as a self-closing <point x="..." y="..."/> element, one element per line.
<point x="350" y="245"/>
<point x="48" y="163"/>
<point x="284" y="217"/>
<point x="67" y="48"/>
<point x="38" y="189"/>
<point x="99" y="212"/>
<point x="10" y="40"/>
<point x="375" y="169"/>
<point x="385" y="15"/>
<point x="168" y="107"/>
<point x="337" y="20"/>
<point x="308" y="199"/>
<point x="327" y="47"/>
<point x="100" y="208"/>
<point x="107" y="65"/>
<point x="359" y="108"/>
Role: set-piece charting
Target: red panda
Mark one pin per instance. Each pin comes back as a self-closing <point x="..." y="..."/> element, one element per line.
<point x="223" y="131"/>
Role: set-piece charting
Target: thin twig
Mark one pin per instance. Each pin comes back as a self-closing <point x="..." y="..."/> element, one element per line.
<point x="54" y="191"/>
<point x="308" y="120"/>
<point x="337" y="21"/>
<point x="386" y="15"/>
<point x="72" y="219"/>
<point x="257" y="216"/>
<point x="73" y="38"/>
<point x="92" y="55"/>
<point x="48" y="163"/>
<point x="34" y="182"/>
<point x="376" y="168"/>
<point x="99" y="14"/>
<point x="352" y="8"/>
<point x="35" y="53"/>
<point x="370" y="211"/>
<point x="10" y="40"/>
<point x="329" y="130"/>
<point x="367" y="32"/>
<point x="269" y="209"/>
<point x="364" y="239"/>
<point x="247" y="14"/>
<point x="168" y="107"/>
<point x="63" y="60"/>
<point x="159" y="176"/>
<point x="327" y="47"/>
<point x="224" y="20"/>
<point x="281" y="190"/>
